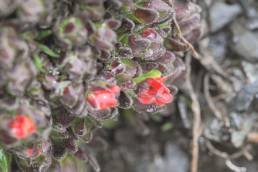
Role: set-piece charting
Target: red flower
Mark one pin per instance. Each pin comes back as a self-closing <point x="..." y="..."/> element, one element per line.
<point x="156" y="92"/>
<point x="104" y="99"/>
<point x="22" y="126"/>
<point x="30" y="152"/>
<point x="149" y="33"/>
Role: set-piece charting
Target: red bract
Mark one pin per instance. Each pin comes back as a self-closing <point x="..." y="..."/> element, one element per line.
<point x="104" y="98"/>
<point x="22" y="126"/>
<point x="156" y="92"/>
<point x="149" y="33"/>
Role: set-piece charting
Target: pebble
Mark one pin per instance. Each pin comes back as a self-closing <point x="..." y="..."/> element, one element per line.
<point x="245" y="42"/>
<point x="221" y="14"/>
<point x="175" y="160"/>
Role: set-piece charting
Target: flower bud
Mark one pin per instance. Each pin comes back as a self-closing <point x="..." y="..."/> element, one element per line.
<point x="189" y="19"/>
<point x="71" y="32"/>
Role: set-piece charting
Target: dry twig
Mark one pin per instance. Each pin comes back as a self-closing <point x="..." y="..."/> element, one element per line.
<point x="235" y="168"/>
<point x="211" y="103"/>
<point x="242" y="152"/>
<point x="253" y="137"/>
<point x="196" y="131"/>
<point x="180" y="35"/>
<point x="196" y="117"/>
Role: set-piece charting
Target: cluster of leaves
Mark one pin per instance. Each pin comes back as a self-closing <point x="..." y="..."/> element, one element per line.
<point x="68" y="66"/>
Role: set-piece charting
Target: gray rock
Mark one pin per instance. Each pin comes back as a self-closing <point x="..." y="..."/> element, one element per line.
<point x="174" y="160"/>
<point x="221" y="14"/>
<point x="238" y="79"/>
<point x="217" y="46"/>
<point x="213" y="130"/>
<point x="245" y="97"/>
<point x="251" y="71"/>
<point x="252" y="23"/>
<point x="245" y="42"/>
<point x="251" y="166"/>
<point x="243" y="127"/>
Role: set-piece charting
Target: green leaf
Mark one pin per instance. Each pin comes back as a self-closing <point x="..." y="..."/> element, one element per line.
<point x="140" y="3"/>
<point x="128" y="62"/>
<point x="44" y="33"/>
<point x="38" y="62"/>
<point x="124" y="39"/>
<point x="65" y="22"/>
<point x="164" y="25"/>
<point x="29" y="36"/>
<point x="167" y="126"/>
<point x="48" y="51"/>
<point x="109" y="123"/>
<point x="78" y="22"/>
<point x="72" y="163"/>
<point x="99" y="25"/>
<point x="129" y="116"/>
<point x="4" y="163"/>
<point x="151" y="74"/>
<point x="134" y="18"/>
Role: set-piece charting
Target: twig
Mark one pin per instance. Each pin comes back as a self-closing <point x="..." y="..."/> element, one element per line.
<point x="228" y="157"/>
<point x="235" y="168"/>
<point x="248" y="155"/>
<point x="225" y="155"/>
<point x="208" y="61"/>
<point x="223" y="85"/>
<point x="211" y="103"/>
<point x="209" y="99"/>
<point x="180" y="35"/>
<point x="196" y="117"/>
<point x="252" y="137"/>
<point x="215" y="151"/>
<point x="196" y="131"/>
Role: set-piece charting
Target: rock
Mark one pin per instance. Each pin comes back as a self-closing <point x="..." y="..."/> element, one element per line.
<point x="250" y="70"/>
<point x="238" y="79"/>
<point x="245" y="97"/>
<point x="214" y="130"/>
<point x="252" y="23"/>
<point x="217" y="46"/>
<point x="242" y="126"/>
<point x="175" y="160"/>
<point x="251" y="166"/>
<point x="221" y="14"/>
<point x="245" y="42"/>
